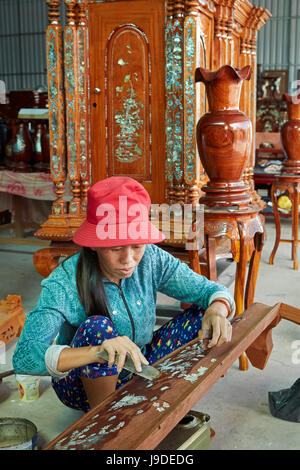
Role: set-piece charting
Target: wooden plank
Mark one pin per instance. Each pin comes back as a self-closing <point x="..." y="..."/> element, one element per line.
<point x="140" y="414"/>
<point x="290" y="313"/>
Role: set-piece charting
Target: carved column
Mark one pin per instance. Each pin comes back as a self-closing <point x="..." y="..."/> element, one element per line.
<point x="256" y="19"/>
<point x="83" y="130"/>
<point x="223" y="42"/>
<point x="56" y="106"/>
<point x="71" y="90"/>
<point x="193" y="54"/>
<point x="56" y="226"/>
<point x="72" y="110"/>
<point x="174" y="101"/>
<point x="185" y="51"/>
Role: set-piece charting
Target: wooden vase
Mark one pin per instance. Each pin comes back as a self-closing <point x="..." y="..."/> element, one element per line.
<point x="290" y="135"/>
<point x="37" y="147"/>
<point x="9" y="160"/>
<point x="46" y="148"/>
<point x="22" y="148"/>
<point x="224" y="137"/>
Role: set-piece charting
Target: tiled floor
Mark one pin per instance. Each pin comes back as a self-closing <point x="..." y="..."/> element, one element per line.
<point x="237" y="403"/>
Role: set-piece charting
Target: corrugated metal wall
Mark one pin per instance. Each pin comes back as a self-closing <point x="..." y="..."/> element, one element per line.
<point x="23" y="24"/>
<point x="23" y="52"/>
<point x="278" y="41"/>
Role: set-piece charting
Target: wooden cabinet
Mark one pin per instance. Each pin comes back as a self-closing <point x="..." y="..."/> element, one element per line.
<point x="123" y="98"/>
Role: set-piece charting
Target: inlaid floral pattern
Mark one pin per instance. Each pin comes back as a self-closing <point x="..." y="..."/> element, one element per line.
<point x="128" y="120"/>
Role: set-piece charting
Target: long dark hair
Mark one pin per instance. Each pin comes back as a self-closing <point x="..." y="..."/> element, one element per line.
<point x="89" y="284"/>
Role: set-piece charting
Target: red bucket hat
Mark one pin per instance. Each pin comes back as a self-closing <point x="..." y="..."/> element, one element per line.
<point x="117" y="214"/>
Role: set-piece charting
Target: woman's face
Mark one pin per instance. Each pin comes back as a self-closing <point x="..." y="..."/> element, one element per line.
<point x="119" y="262"/>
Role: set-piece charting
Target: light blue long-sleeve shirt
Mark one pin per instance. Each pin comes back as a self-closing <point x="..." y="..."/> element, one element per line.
<point x="60" y="312"/>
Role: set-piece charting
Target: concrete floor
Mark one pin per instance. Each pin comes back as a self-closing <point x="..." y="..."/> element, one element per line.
<point x="237" y="403"/>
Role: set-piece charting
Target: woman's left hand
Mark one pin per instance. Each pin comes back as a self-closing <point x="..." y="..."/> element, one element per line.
<point x="215" y="320"/>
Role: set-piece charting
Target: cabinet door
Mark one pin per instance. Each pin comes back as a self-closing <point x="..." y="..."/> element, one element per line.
<point x="127" y="99"/>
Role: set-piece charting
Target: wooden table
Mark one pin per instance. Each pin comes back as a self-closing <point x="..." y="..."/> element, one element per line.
<point x="291" y="184"/>
<point x="24" y="193"/>
<point x="245" y="230"/>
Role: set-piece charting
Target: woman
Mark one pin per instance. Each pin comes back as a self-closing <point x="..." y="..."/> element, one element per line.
<point x="104" y="298"/>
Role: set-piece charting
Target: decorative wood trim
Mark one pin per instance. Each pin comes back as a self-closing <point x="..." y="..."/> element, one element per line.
<point x="56" y="105"/>
<point x="83" y="98"/>
<point x="191" y="166"/>
<point x="56" y="227"/>
<point x="71" y="91"/>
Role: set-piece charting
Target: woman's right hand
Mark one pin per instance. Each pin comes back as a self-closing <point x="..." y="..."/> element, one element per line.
<point x="122" y="346"/>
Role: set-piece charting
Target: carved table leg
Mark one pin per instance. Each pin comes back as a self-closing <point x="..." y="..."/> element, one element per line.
<point x="246" y="232"/>
<point x="277" y="222"/>
<point x="194" y="261"/>
<point x="241" y="268"/>
<point x="240" y="277"/>
<point x="210" y="244"/>
<point x="253" y="268"/>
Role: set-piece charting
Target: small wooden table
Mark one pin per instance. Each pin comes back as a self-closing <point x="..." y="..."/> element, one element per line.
<point x="290" y="183"/>
<point x="245" y="230"/>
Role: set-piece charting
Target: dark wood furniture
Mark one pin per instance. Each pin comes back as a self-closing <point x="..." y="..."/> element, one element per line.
<point x="269" y="158"/>
<point x="290" y="135"/>
<point x="24" y="140"/>
<point x="271" y="108"/>
<point x="140" y="414"/>
<point x="291" y="184"/>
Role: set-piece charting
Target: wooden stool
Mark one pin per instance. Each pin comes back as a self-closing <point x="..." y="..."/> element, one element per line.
<point x="290" y="183"/>
<point x="245" y="229"/>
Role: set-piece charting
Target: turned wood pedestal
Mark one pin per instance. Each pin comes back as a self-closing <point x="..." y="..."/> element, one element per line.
<point x="245" y="230"/>
<point x="290" y="183"/>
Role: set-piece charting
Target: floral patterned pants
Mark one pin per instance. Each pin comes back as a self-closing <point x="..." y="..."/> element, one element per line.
<point x="95" y="329"/>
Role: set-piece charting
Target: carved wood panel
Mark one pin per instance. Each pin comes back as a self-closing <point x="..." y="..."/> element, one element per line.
<point x="127" y="114"/>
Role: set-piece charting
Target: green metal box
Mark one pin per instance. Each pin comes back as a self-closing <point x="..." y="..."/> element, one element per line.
<point x="191" y="433"/>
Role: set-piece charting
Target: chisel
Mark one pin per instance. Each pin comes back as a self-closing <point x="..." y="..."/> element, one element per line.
<point x="148" y="372"/>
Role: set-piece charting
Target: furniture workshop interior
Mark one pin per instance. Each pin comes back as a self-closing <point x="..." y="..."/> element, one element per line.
<point x="169" y="93"/>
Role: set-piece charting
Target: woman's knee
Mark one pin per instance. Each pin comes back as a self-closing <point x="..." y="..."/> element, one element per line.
<point x="93" y="331"/>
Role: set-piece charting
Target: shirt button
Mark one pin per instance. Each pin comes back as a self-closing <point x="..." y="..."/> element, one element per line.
<point x="138" y="302"/>
<point x="114" y="312"/>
